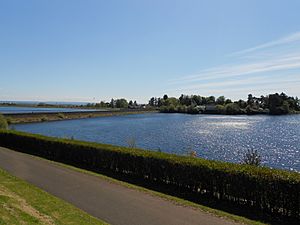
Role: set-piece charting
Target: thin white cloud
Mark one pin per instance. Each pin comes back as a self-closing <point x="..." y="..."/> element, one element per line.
<point x="233" y="84"/>
<point x="253" y="68"/>
<point x="285" y="62"/>
<point x="284" y="40"/>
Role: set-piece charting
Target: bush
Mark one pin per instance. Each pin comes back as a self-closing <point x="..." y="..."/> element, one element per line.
<point x="168" y="109"/>
<point x="232" y="109"/>
<point x="272" y="192"/>
<point x="220" y="109"/>
<point x="192" y="110"/>
<point x="3" y="123"/>
<point x="181" y="109"/>
<point x="252" y="158"/>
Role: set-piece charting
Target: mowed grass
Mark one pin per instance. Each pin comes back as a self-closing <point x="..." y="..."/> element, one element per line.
<point x="22" y="203"/>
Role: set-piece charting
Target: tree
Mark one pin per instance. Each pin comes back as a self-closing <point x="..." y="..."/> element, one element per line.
<point x="112" y="103"/>
<point x="220" y="100"/>
<point x="121" y="103"/>
<point x="210" y="100"/>
<point x="185" y="100"/>
<point x="242" y="104"/>
<point x="159" y="102"/>
<point x="250" y="100"/>
<point x="172" y="101"/>
<point x="232" y="109"/>
<point x="165" y="97"/>
<point x="227" y="101"/>
<point x="103" y="104"/>
<point x="152" y="101"/>
<point x="197" y="99"/>
<point x="277" y="105"/>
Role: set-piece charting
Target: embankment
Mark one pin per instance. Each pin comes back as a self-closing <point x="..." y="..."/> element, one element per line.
<point x="266" y="192"/>
<point x="55" y="116"/>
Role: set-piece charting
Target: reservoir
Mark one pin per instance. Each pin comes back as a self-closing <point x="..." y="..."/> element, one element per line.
<point x="217" y="137"/>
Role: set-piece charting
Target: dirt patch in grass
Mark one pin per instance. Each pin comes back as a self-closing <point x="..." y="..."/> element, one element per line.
<point x="17" y="202"/>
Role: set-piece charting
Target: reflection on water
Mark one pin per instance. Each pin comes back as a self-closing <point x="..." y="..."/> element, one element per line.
<point x="224" y="138"/>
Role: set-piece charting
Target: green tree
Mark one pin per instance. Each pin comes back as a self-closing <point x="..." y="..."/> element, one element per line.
<point x="277" y="105"/>
<point x="220" y="100"/>
<point x="211" y="100"/>
<point x="112" y="103"/>
<point x="232" y="109"/>
<point x="220" y="108"/>
<point x="227" y="101"/>
<point x="121" y="103"/>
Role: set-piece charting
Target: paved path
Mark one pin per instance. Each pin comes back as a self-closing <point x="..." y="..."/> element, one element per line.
<point x="111" y="202"/>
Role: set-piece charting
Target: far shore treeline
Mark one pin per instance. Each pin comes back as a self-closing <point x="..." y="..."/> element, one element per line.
<point x="274" y="104"/>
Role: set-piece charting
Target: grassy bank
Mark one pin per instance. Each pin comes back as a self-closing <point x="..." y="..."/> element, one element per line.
<point x="44" y="117"/>
<point x="265" y="192"/>
<point x="22" y="203"/>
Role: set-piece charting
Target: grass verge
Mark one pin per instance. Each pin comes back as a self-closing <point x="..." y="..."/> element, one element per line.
<point x="23" y="203"/>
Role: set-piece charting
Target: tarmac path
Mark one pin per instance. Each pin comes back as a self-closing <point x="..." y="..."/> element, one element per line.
<point x="109" y="201"/>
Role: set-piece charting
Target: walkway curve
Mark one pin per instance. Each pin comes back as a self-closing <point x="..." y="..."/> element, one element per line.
<point x="111" y="202"/>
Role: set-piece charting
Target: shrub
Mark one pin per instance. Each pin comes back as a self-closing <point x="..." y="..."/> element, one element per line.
<point x="220" y="109"/>
<point x="272" y="192"/>
<point x="252" y="158"/>
<point x="192" y="110"/>
<point x="3" y="123"/>
<point x="232" y="109"/>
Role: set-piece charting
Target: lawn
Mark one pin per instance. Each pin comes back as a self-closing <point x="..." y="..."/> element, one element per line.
<point x="23" y="203"/>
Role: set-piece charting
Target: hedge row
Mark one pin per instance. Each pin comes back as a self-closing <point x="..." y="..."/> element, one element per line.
<point x="273" y="192"/>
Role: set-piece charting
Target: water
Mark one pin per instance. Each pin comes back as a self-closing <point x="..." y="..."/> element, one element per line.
<point x="13" y="109"/>
<point x="217" y="137"/>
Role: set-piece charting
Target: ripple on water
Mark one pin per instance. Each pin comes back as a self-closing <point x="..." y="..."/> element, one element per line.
<point x="225" y="138"/>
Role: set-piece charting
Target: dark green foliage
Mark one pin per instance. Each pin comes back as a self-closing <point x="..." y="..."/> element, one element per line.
<point x="282" y="104"/>
<point x="192" y="110"/>
<point x="220" y="109"/>
<point x="274" y="104"/>
<point x="221" y="100"/>
<point x="121" y="103"/>
<point x="232" y="109"/>
<point x="272" y="192"/>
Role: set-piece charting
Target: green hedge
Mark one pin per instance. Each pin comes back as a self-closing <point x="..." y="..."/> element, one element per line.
<point x="273" y="192"/>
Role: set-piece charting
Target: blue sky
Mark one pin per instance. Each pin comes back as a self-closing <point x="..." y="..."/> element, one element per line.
<point x="92" y="50"/>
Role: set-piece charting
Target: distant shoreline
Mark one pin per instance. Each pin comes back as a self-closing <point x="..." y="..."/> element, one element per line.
<point x="17" y="118"/>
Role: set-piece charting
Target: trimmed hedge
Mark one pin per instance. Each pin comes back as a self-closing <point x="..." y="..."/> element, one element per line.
<point x="273" y="192"/>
